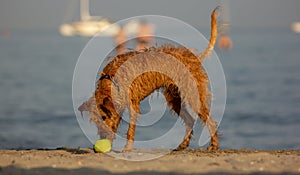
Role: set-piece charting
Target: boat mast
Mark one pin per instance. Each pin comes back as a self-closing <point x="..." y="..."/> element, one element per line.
<point x="85" y="10"/>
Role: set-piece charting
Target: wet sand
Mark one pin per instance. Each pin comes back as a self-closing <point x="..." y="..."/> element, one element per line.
<point x="85" y="161"/>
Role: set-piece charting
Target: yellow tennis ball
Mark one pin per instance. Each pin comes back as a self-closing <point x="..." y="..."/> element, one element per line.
<point x="102" y="146"/>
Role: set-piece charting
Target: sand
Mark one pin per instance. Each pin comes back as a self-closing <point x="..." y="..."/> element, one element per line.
<point x="85" y="161"/>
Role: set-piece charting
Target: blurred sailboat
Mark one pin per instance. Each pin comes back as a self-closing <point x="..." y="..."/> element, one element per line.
<point x="296" y="27"/>
<point x="224" y="41"/>
<point x="89" y="25"/>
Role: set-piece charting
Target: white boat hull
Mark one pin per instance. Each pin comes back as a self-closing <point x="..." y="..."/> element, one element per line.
<point x="89" y="28"/>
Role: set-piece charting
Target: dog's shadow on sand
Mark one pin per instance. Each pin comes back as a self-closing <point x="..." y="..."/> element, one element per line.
<point x="76" y="150"/>
<point x="68" y="149"/>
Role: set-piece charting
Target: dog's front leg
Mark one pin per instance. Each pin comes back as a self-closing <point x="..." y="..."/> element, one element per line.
<point x="131" y="129"/>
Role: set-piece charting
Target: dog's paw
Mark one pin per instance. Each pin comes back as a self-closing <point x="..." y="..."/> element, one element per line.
<point x="179" y="148"/>
<point x="212" y="148"/>
<point x="126" y="150"/>
<point x="128" y="147"/>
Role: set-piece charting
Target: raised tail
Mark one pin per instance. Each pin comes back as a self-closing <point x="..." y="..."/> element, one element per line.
<point x="213" y="36"/>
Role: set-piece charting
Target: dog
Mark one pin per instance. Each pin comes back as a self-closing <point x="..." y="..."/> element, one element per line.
<point x="131" y="77"/>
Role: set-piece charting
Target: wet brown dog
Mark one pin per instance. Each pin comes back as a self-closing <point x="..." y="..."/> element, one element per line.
<point x="131" y="77"/>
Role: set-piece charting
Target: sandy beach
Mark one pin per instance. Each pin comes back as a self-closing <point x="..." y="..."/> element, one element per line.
<point x="85" y="161"/>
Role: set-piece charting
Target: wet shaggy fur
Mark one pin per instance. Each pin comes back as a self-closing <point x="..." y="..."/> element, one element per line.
<point x="131" y="77"/>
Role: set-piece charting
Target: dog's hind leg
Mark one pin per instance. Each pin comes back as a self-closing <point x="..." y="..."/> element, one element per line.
<point x="189" y="123"/>
<point x="212" y="127"/>
<point x="209" y="122"/>
<point x="174" y="101"/>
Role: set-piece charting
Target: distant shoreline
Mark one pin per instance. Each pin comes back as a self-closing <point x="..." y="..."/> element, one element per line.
<point x="84" y="161"/>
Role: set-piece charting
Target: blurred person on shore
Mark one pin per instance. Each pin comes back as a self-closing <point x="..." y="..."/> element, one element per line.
<point x="224" y="40"/>
<point x="145" y="35"/>
<point x="120" y="41"/>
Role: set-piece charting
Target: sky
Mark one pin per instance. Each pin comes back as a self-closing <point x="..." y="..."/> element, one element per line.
<point x="49" y="14"/>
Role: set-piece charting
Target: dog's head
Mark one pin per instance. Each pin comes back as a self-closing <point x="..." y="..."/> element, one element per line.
<point x="109" y="118"/>
<point x="107" y="114"/>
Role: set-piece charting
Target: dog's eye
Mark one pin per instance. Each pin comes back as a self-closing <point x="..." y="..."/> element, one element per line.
<point x="103" y="118"/>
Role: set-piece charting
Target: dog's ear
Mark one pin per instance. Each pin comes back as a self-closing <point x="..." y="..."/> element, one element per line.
<point x="106" y="101"/>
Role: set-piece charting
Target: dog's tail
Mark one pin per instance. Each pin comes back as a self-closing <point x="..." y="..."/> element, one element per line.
<point x="213" y="35"/>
